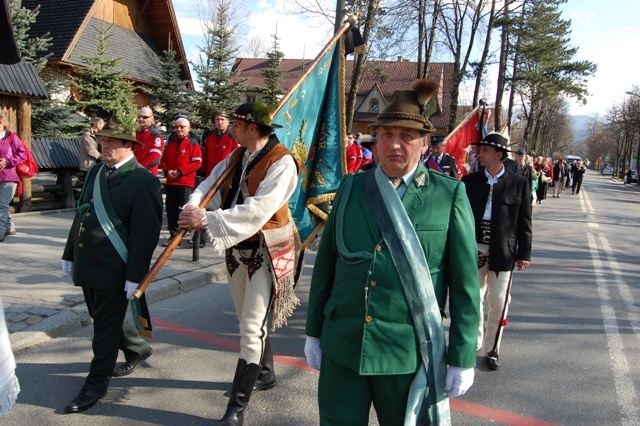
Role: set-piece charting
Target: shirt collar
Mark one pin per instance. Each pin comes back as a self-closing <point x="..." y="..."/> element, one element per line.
<point x="491" y="180"/>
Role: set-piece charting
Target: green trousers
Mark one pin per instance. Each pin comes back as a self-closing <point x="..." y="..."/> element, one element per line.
<point x="345" y="397"/>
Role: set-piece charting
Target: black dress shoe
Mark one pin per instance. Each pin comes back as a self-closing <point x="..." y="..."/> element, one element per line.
<point x="127" y="367"/>
<point x="265" y="383"/>
<point x="83" y="401"/>
<point x="492" y="362"/>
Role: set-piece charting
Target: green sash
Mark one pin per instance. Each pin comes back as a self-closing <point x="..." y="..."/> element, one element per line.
<point x="117" y="236"/>
<point x="428" y="402"/>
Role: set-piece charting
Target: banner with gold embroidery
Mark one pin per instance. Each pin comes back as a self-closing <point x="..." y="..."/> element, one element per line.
<point x="312" y="114"/>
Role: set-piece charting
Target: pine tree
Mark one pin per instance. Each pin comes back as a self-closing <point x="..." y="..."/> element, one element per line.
<point x="103" y="86"/>
<point x="31" y="48"/>
<point x="219" y="89"/>
<point x="47" y="115"/>
<point x="273" y="75"/>
<point x="172" y="94"/>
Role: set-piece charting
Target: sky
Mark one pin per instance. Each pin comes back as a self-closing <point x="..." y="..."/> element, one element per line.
<point x="605" y="32"/>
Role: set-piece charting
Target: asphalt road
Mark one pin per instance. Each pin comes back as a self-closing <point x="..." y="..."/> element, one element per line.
<point x="569" y="354"/>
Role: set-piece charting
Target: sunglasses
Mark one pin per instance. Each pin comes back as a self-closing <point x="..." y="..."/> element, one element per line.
<point x="144" y="116"/>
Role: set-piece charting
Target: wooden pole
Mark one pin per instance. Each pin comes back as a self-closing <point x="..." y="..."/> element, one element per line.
<point x="24" y="133"/>
<point x="177" y="238"/>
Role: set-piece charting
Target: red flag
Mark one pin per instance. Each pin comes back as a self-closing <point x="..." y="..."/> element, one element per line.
<point x="457" y="142"/>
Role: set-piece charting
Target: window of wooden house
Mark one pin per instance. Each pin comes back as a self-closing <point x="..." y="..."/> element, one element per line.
<point x="374" y="105"/>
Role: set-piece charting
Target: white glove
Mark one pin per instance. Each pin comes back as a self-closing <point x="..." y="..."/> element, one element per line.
<point x="67" y="267"/>
<point x="129" y="288"/>
<point x="313" y="352"/>
<point x="459" y="380"/>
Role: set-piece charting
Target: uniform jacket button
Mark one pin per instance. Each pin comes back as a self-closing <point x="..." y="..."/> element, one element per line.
<point x="378" y="248"/>
<point x="80" y="244"/>
<point x="373" y="283"/>
<point x="368" y="319"/>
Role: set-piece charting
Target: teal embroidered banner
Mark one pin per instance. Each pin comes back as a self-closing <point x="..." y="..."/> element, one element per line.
<point x="313" y="120"/>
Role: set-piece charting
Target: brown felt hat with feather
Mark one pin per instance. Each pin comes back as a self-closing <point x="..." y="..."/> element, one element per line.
<point x="411" y="109"/>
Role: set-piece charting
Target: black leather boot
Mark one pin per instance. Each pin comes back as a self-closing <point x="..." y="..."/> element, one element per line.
<point x="267" y="378"/>
<point x="243" y="383"/>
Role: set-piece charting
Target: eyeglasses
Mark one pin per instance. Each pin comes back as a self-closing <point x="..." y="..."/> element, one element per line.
<point x="144" y="116"/>
<point x="179" y="127"/>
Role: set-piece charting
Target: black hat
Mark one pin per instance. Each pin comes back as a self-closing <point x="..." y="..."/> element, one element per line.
<point x="258" y="113"/>
<point x="436" y="140"/>
<point x="521" y="153"/>
<point x="496" y="140"/>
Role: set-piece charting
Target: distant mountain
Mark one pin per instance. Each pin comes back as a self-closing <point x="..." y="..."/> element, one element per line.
<point x="579" y="125"/>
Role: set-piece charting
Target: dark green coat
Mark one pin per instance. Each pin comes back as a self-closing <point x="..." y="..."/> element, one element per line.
<point x="137" y="201"/>
<point x="377" y="337"/>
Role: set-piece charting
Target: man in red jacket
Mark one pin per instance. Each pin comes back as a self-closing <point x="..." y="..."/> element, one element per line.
<point x="217" y="143"/>
<point x="181" y="159"/>
<point x="148" y="154"/>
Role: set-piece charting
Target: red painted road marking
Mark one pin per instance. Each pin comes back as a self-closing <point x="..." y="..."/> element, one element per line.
<point x="481" y="411"/>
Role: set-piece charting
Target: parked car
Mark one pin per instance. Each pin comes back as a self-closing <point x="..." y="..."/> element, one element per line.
<point x="634" y="176"/>
<point x="607" y="171"/>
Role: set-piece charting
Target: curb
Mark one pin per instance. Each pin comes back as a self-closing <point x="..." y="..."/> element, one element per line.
<point x="70" y="320"/>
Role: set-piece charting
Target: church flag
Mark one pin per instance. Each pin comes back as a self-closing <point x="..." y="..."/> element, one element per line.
<point x="312" y="114"/>
<point x="457" y="143"/>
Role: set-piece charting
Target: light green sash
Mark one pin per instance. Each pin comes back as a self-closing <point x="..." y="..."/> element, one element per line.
<point x="428" y="402"/>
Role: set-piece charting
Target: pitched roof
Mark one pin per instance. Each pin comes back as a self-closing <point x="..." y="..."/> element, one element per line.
<point x="72" y="25"/>
<point x="21" y="79"/>
<point x="139" y="58"/>
<point x="61" y="19"/>
<point x="388" y="76"/>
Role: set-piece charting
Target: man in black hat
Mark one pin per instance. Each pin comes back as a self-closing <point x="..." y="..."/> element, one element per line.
<point x="250" y="215"/>
<point x="501" y="209"/>
<point x="108" y="251"/>
<point x="446" y="164"/>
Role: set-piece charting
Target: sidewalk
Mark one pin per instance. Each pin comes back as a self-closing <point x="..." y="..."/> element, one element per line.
<point x="41" y="302"/>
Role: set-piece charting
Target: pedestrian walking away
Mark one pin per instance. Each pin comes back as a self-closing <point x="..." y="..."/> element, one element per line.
<point x="249" y="220"/>
<point x="395" y="228"/>
<point x="108" y="252"/>
<point x="577" y="171"/>
<point x="501" y="209"/>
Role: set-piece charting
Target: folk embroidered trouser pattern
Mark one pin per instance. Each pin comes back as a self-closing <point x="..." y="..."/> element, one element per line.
<point x="250" y="283"/>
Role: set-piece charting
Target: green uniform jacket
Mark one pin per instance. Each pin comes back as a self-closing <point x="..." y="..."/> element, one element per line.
<point x="356" y="302"/>
<point x="137" y="200"/>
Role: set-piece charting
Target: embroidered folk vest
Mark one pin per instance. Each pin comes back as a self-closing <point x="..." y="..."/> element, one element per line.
<point x="255" y="177"/>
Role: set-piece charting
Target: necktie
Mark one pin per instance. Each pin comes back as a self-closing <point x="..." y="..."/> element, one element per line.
<point x="110" y="169"/>
<point x="396" y="182"/>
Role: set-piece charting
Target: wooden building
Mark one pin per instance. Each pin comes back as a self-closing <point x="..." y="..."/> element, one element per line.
<point x="139" y="31"/>
<point x="381" y="79"/>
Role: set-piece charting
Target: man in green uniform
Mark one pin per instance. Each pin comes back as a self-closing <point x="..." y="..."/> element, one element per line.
<point x="108" y="251"/>
<point x="387" y="261"/>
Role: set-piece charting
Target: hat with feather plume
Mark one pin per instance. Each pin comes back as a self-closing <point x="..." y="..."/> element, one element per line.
<point x="411" y="109"/>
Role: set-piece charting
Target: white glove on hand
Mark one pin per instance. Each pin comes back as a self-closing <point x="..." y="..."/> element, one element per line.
<point x="129" y="288"/>
<point x="459" y="380"/>
<point x="67" y="267"/>
<point x="313" y="352"/>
